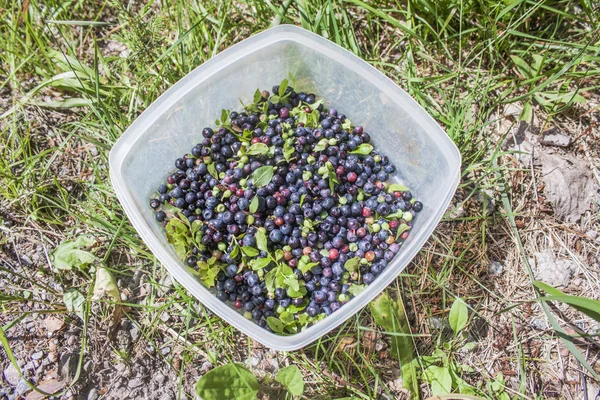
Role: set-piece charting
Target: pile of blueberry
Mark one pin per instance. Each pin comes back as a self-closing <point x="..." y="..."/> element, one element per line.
<point x="285" y="209"/>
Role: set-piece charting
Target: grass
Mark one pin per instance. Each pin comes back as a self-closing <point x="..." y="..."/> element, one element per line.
<point x="76" y="74"/>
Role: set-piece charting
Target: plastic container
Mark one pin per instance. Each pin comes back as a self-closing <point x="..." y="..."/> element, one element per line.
<point x="427" y="160"/>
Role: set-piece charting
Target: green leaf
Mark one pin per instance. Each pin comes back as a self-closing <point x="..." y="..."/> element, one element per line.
<point x="527" y="113"/>
<point x="459" y="315"/>
<point x="75" y="302"/>
<point x="347" y="125"/>
<point x="212" y="170"/>
<point x="291" y="379"/>
<point x="364" y="149"/>
<point x="254" y="204"/>
<point x="389" y="315"/>
<point x="304" y="267"/>
<point x="355" y="289"/>
<point x="105" y="284"/>
<point x="275" y="324"/>
<point x="322" y="145"/>
<point x="230" y="381"/>
<point x="258" y="149"/>
<point x="283" y="87"/>
<point x="396" y="187"/>
<point x="261" y="240"/>
<point x="587" y="306"/>
<point x="208" y="273"/>
<point x="262" y="176"/>
<point x="69" y="253"/>
<point x="302" y="199"/>
<point x="224" y="116"/>
<point x="257" y="96"/>
<point x="275" y="99"/>
<point x="259" y="263"/>
<point x="352" y="264"/>
<point x="315" y="105"/>
<point x="401" y="229"/>
<point x="270" y="279"/>
<point x="439" y="379"/>
<point x="250" y="251"/>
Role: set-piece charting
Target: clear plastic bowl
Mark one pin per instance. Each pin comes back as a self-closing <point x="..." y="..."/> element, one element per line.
<point x="427" y="160"/>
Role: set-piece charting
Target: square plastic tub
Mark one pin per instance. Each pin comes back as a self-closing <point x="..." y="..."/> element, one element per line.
<point x="427" y="160"/>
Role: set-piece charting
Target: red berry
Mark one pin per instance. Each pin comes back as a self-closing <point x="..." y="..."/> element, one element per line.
<point x="255" y="140"/>
<point x="306" y="251"/>
<point x="334" y="254"/>
<point x="293" y="262"/>
<point x="339" y="170"/>
<point x="239" y="192"/>
<point x="394" y="224"/>
<point x="345" y="248"/>
<point x="404" y="235"/>
<point x="287" y="255"/>
<point x="366" y="212"/>
<point x="379" y="185"/>
<point x="398" y="194"/>
<point x="369" y="255"/>
<point x="279" y="221"/>
<point x="238" y="304"/>
<point x="351" y="177"/>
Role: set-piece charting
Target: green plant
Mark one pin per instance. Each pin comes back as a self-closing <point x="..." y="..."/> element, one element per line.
<point x="233" y="381"/>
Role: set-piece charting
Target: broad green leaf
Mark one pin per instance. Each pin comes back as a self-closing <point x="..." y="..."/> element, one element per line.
<point x="275" y="324"/>
<point x="321" y="145"/>
<point x="254" y="204"/>
<point x="352" y="264"/>
<point x="250" y="251"/>
<point x="212" y="170"/>
<point x="459" y="315"/>
<point x="261" y="240"/>
<point x="270" y="279"/>
<point x="75" y="302"/>
<point x="355" y="289"/>
<point x="69" y="253"/>
<point x="527" y="113"/>
<point x="259" y="263"/>
<point x="258" y="149"/>
<point x="440" y="379"/>
<point x="396" y="187"/>
<point x="401" y="229"/>
<point x="262" y="176"/>
<point x="105" y="284"/>
<point x="291" y="378"/>
<point x="230" y="381"/>
<point x="389" y="315"/>
<point x="257" y="96"/>
<point x="364" y="149"/>
<point x="283" y="88"/>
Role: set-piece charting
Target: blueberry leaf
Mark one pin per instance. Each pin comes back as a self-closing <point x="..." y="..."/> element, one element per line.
<point x="270" y="279"/>
<point x="254" y="205"/>
<point x="347" y="125"/>
<point x="401" y="229"/>
<point x="250" y="251"/>
<point x="261" y="240"/>
<point x="322" y="145"/>
<point x="262" y="176"/>
<point x="212" y="170"/>
<point x="257" y="96"/>
<point x="291" y="378"/>
<point x="352" y="264"/>
<point x="230" y="381"/>
<point x="283" y="87"/>
<point x="363" y="149"/>
<point x="355" y="290"/>
<point x="275" y="99"/>
<point x="396" y="187"/>
<point x="275" y="324"/>
<point x="259" y="263"/>
<point x="258" y="149"/>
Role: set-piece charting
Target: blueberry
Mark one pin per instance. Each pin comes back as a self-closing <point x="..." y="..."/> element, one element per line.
<point x="160" y="216"/>
<point x="417" y="206"/>
<point x="368" y="278"/>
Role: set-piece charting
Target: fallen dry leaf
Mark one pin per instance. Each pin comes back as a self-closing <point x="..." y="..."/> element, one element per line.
<point x="569" y="184"/>
<point x="48" y="386"/>
<point x="54" y="324"/>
